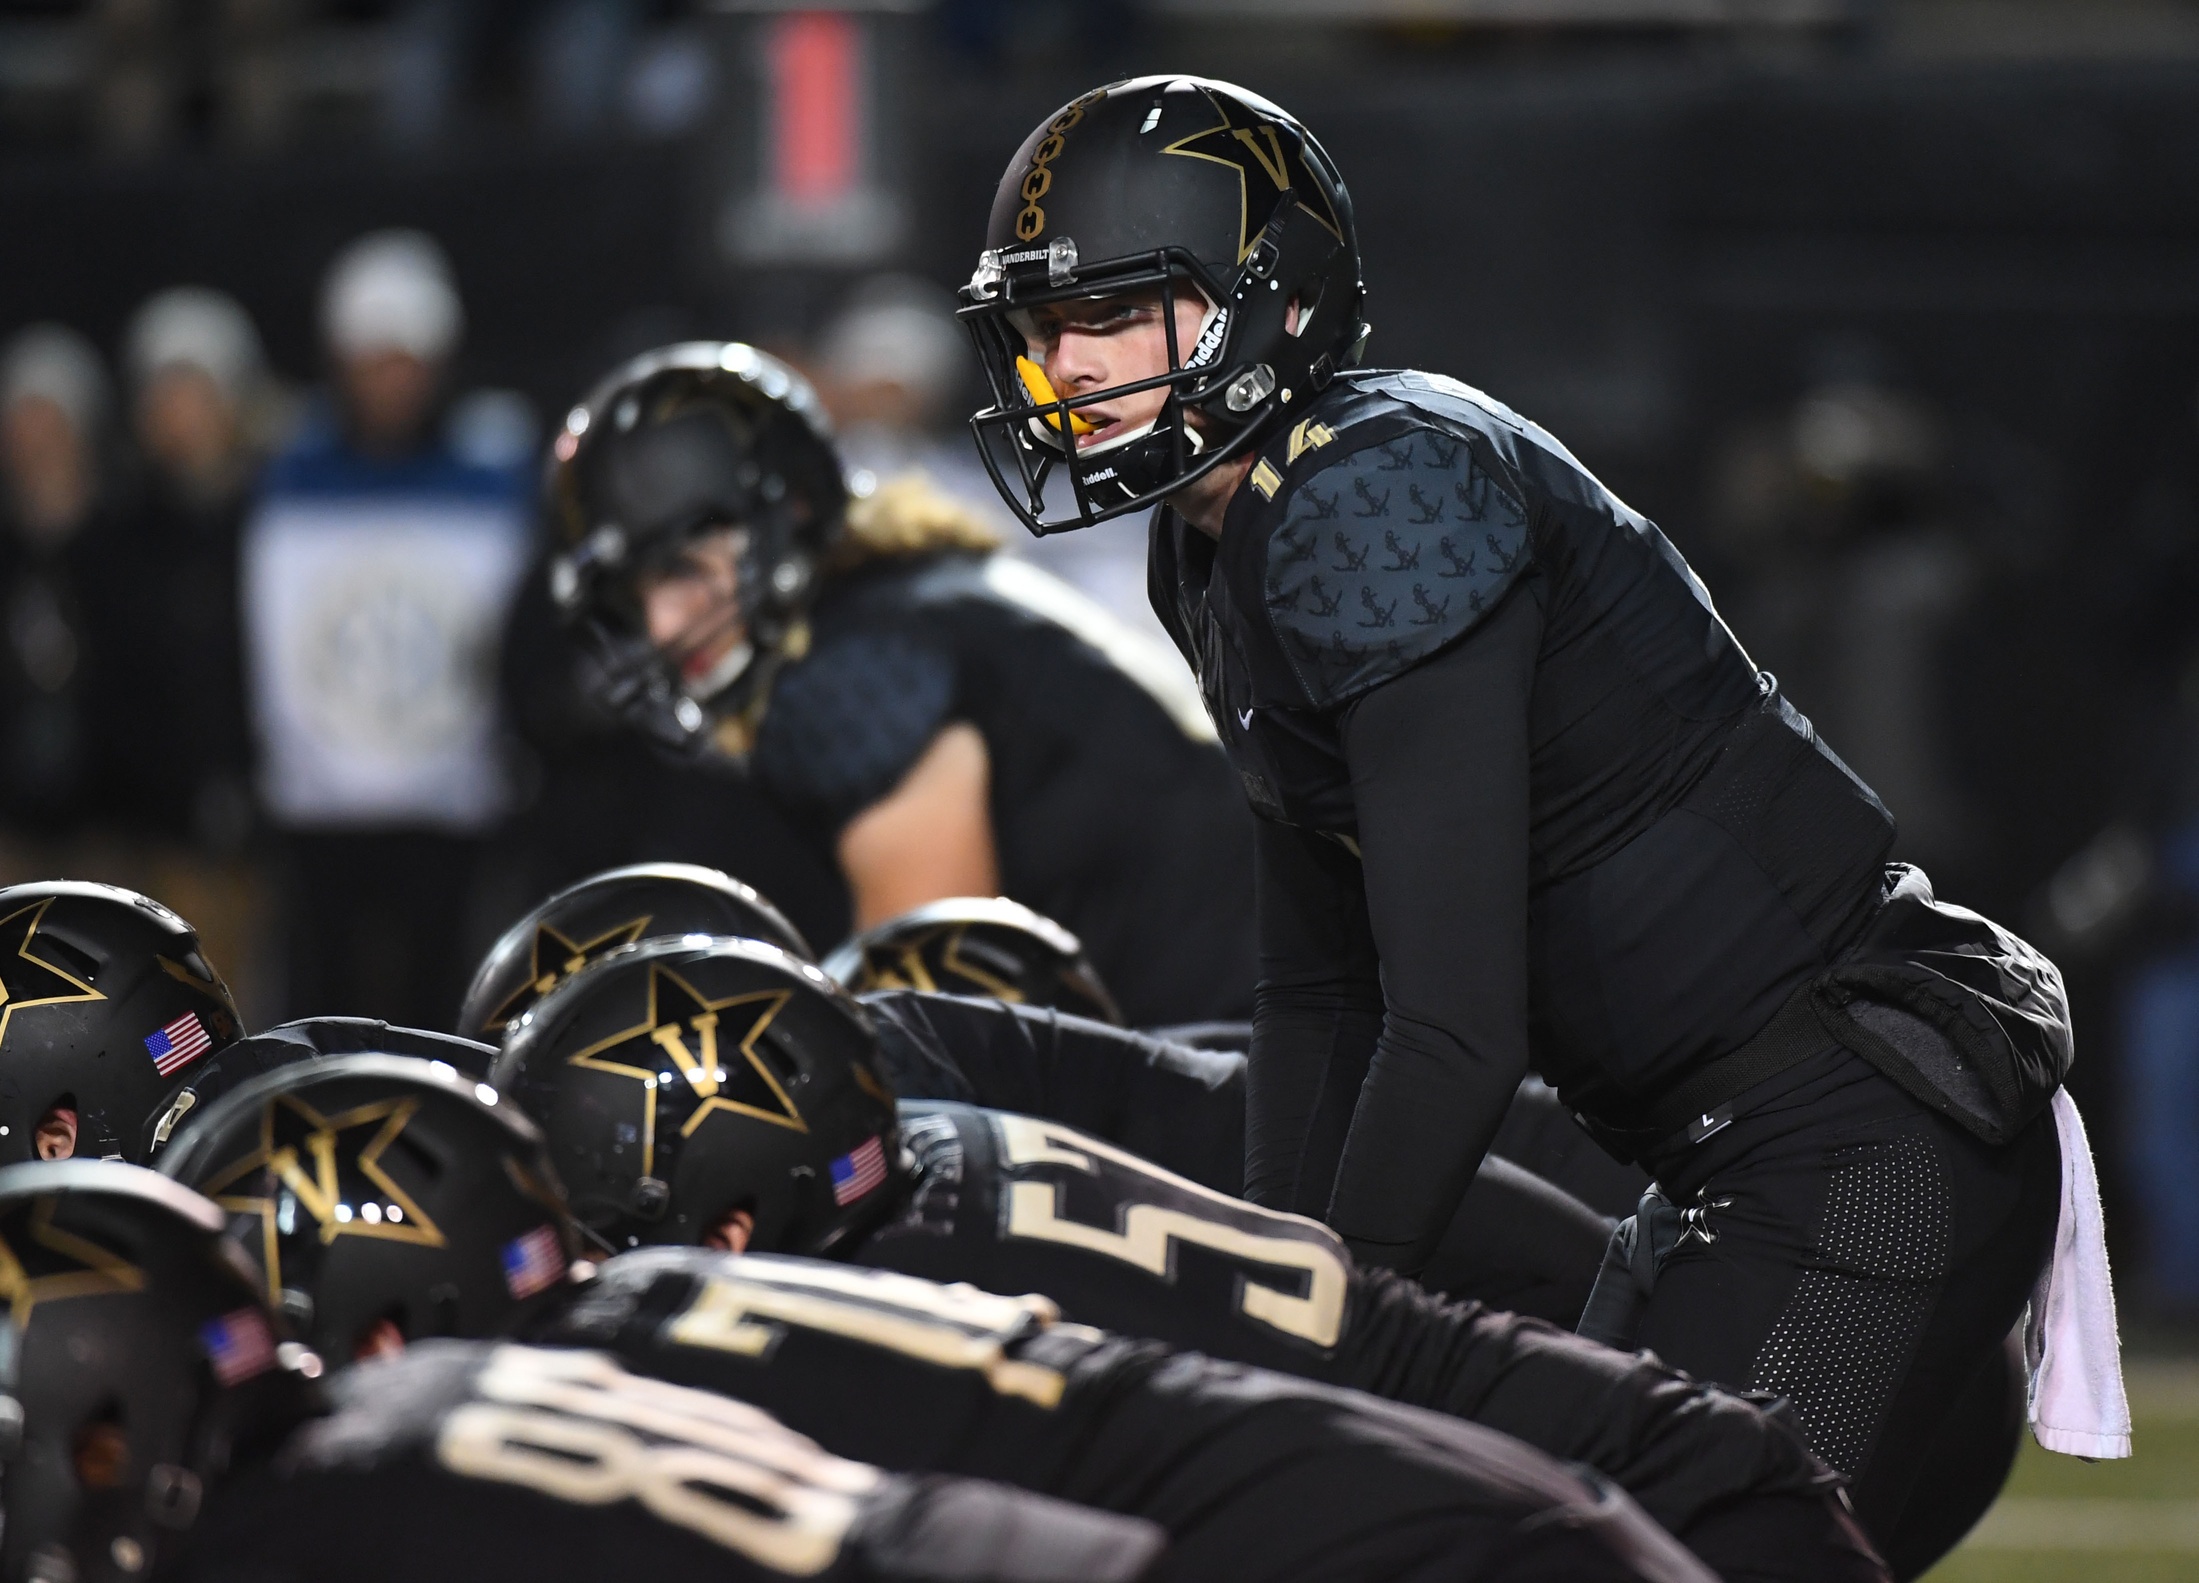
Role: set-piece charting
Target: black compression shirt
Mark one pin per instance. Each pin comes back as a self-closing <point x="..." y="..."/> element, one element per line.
<point x="1525" y="799"/>
<point x="467" y="1461"/>
<point x="1253" y="1475"/>
<point x="1112" y="809"/>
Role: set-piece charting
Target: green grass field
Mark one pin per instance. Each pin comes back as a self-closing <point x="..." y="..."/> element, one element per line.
<point x="2136" y="1521"/>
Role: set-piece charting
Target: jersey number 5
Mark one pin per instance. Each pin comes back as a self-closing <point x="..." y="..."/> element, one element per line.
<point x="1170" y="1210"/>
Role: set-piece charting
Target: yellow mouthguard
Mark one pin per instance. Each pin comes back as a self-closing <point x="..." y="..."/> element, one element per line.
<point x="1042" y="392"/>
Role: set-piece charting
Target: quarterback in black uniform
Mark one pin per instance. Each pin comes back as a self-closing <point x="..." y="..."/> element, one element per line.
<point x="1516" y="1242"/>
<point x="723" y="1092"/>
<point x="1522" y="796"/>
<point x="942" y="721"/>
<point x="162" y="1425"/>
<point x="1251" y="1475"/>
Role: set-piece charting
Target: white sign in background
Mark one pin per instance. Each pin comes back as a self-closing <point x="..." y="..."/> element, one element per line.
<point x="372" y="630"/>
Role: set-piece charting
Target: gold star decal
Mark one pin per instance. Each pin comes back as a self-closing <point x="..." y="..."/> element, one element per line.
<point x="53" y="1264"/>
<point x="904" y="966"/>
<point x="27" y="980"/>
<point x="1257" y="153"/>
<point x="553" y="958"/>
<point x="681" y="1030"/>
<point x="332" y="1169"/>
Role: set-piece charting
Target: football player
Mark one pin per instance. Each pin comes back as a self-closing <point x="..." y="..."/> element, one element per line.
<point x="1519" y="786"/>
<point x="1516" y="1243"/>
<point x="430" y="1204"/>
<point x="725" y="1093"/>
<point x="160" y="1424"/>
<point x="107" y="1007"/>
<point x="941" y="720"/>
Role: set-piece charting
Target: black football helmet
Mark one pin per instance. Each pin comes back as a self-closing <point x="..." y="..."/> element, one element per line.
<point x="106" y="1003"/>
<point x="602" y="913"/>
<point x="381" y="1187"/>
<point x="681" y="1079"/>
<point x="139" y="1362"/>
<point x="674" y="443"/>
<point x="976" y="945"/>
<point x="1167" y="185"/>
<point x="305" y="1039"/>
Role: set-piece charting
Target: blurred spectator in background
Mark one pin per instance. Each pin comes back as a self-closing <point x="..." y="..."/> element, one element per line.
<point x="53" y="410"/>
<point x="896" y="370"/>
<point x="202" y="410"/>
<point x="377" y="572"/>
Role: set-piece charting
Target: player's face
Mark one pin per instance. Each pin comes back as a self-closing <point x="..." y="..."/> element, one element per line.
<point x="1101" y="342"/>
<point x="55" y="1138"/>
<point x="732" y="1233"/>
<point x="692" y="605"/>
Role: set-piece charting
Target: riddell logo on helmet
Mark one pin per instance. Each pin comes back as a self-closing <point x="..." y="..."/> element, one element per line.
<point x="1039" y="180"/>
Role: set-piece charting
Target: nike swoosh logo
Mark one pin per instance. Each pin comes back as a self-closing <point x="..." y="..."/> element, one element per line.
<point x="1244" y="718"/>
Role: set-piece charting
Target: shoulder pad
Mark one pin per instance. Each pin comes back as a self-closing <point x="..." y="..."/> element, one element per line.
<point x="1387" y="553"/>
<point x="846" y="722"/>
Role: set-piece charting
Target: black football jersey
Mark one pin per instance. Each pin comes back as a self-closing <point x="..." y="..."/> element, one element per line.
<point x="1113" y="811"/>
<point x="1253" y="1475"/>
<point x="1015" y="1203"/>
<point x="468" y="1461"/>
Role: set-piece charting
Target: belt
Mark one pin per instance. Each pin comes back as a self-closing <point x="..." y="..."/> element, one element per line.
<point x="1704" y="1103"/>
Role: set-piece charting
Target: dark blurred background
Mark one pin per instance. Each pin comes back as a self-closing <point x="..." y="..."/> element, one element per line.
<point x="1887" y="312"/>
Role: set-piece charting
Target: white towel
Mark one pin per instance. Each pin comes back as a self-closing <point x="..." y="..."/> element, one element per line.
<point x="2077" y="1401"/>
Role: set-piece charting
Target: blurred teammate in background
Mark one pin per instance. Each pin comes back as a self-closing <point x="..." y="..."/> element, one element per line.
<point x="941" y="720"/>
<point x="377" y="571"/>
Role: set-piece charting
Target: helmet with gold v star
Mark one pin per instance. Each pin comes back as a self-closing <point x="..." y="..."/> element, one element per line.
<point x="695" y="1056"/>
<point x="330" y="1169"/>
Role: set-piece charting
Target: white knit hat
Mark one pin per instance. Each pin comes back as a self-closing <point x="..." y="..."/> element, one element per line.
<point x="195" y="327"/>
<point x="392" y="291"/>
<point x="54" y="362"/>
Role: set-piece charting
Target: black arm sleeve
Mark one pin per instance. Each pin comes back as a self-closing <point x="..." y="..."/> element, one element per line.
<point x="1439" y="777"/>
<point x="1183" y="1109"/>
<point x="1317" y="1010"/>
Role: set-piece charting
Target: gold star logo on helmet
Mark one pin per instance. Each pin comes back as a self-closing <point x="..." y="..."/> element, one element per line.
<point x="553" y="958"/>
<point x="40" y="1263"/>
<point x="907" y="964"/>
<point x="27" y="980"/>
<point x="678" y="1052"/>
<point x="1253" y="146"/>
<point x="332" y="1168"/>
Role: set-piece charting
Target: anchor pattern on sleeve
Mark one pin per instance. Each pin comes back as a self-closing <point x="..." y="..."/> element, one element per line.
<point x="1385" y="556"/>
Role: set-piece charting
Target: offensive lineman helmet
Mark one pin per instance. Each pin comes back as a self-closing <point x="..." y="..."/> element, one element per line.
<point x="603" y="912"/>
<point x="306" y="1039"/>
<point x="674" y="446"/>
<point x="682" y="1080"/>
<point x="1162" y="185"/>
<point x="976" y="945"/>
<point x="105" y="1001"/>
<point x="375" y="1190"/>
<point x="139" y="1363"/>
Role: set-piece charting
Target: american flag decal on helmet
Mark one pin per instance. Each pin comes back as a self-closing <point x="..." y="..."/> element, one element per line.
<point x="179" y="1044"/>
<point x="857" y="1172"/>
